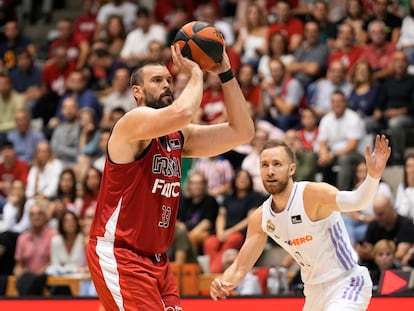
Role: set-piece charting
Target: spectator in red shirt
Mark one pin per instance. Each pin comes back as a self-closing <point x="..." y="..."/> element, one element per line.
<point x="251" y="91"/>
<point x="54" y="76"/>
<point x="380" y="52"/>
<point x="85" y="24"/>
<point x="292" y="27"/>
<point x="90" y="187"/>
<point x="57" y="70"/>
<point x="77" y="46"/>
<point x="10" y="169"/>
<point x="347" y="51"/>
<point x="163" y="10"/>
<point x="212" y="108"/>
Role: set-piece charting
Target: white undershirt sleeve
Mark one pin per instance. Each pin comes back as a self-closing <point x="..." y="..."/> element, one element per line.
<point x="359" y="199"/>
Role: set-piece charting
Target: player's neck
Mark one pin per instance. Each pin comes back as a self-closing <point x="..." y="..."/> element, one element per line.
<point x="280" y="200"/>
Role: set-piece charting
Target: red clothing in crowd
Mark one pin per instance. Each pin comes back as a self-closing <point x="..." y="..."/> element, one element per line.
<point x="19" y="171"/>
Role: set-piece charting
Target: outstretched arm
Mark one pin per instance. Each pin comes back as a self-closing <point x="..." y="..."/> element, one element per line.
<point x="325" y="198"/>
<point x="249" y="253"/>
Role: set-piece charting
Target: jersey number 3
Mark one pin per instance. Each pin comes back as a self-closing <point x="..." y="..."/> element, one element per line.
<point x="165" y="217"/>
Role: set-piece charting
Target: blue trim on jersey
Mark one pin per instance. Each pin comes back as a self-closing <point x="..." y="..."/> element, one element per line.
<point x="342" y="252"/>
<point x="354" y="288"/>
<point x="293" y="196"/>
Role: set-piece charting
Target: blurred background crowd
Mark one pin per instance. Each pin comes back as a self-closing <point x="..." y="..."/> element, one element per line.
<point x="325" y="76"/>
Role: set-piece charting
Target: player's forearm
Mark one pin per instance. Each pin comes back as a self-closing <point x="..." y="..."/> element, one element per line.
<point x="234" y="274"/>
<point x="190" y="97"/>
<point x="238" y="112"/>
<point x="359" y="199"/>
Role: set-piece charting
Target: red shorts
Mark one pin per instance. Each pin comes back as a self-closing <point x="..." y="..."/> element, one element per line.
<point x="125" y="280"/>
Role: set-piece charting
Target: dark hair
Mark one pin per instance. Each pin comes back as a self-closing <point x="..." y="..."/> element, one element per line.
<point x="73" y="190"/>
<point x="118" y="110"/>
<point x="6" y="144"/>
<point x="143" y="11"/>
<point x="60" y="223"/>
<point x="137" y="74"/>
<point x="233" y="182"/>
<point x="86" y="189"/>
<point x="408" y="155"/>
<point x="101" y="53"/>
<point x="361" y="160"/>
<point x="361" y="8"/>
<point x="339" y="92"/>
<point x="287" y="2"/>
<point x="123" y="30"/>
<point x="285" y="43"/>
<point x="313" y="21"/>
<point x="370" y="71"/>
<point x="275" y="143"/>
<point x="23" y="51"/>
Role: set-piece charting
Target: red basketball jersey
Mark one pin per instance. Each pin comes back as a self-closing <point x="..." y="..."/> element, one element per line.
<point x="138" y="202"/>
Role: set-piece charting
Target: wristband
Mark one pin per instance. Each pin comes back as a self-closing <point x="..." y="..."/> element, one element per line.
<point x="226" y="76"/>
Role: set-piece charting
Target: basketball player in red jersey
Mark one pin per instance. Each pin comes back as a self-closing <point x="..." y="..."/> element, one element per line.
<point x="138" y="202"/>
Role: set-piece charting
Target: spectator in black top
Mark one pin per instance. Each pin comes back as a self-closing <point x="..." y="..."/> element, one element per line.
<point x="13" y="42"/>
<point x="320" y="14"/>
<point x="395" y="108"/>
<point x="381" y="13"/>
<point x="232" y="219"/>
<point x="386" y="225"/>
<point x="27" y="77"/>
<point x="198" y="210"/>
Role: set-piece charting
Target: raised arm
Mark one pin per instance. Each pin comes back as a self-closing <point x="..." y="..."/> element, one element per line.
<point x="321" y="199"/>
<point x="249" y="253"/>
<point x="209" y="140"/>
<point x="144" y="123"/>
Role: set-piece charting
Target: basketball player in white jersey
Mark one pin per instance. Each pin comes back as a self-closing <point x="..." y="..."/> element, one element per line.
<point x="305" y="219"/>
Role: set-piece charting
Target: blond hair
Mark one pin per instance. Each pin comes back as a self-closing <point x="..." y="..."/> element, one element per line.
<point x="383" y="245"/>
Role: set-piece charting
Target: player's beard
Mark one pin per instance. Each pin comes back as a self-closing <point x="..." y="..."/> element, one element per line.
<point x="276" y="187"/>
<point x="165" y="99"/>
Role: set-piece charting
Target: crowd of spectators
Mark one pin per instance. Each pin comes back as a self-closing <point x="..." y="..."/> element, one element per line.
<point x="325" y="76"/>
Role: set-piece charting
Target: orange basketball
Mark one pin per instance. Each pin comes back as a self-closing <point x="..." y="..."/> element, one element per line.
<point x="202" y="43"/>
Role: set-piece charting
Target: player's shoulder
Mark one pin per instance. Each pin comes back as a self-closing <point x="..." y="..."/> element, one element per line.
<point x="318" y="192"/>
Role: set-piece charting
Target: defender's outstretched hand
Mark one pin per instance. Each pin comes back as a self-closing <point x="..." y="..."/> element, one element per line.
<point x="220" y="289"/>
<point x="377" y="160"/>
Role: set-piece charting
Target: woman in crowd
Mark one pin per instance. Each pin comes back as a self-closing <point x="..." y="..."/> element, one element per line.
<point x="114" y="35"/>
<point x="364" y="95"/>
<point x="231" y="221"/>
<point x="15" y="221"/>
<point x="277" y="49"/>
<point x="404" y="201"/>
<point x="251" y="41"/>
<point x="355" y="16"/>
<point x="67" y="250"/>
<point x="88" y="141"/>
<point x="384" y="257"/>
<point x="66" y="198"/>
<point x="90" y="188"/>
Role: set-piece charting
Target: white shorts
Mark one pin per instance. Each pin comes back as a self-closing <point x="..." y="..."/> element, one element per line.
<point x="350" y="293"/>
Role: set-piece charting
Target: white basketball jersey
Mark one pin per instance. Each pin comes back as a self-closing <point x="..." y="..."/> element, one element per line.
<point x="322" y="248"/>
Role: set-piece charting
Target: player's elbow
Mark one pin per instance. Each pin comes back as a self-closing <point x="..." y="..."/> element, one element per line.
<point x="249" y="136"/>
<point x="184" y="113"/>
<point x="248" y="132"/>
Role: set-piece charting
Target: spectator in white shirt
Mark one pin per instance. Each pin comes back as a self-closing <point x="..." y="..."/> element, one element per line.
<point x="136" y="46"/>
<point x="43" y="178"/>
<point x="340" y="132"/>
